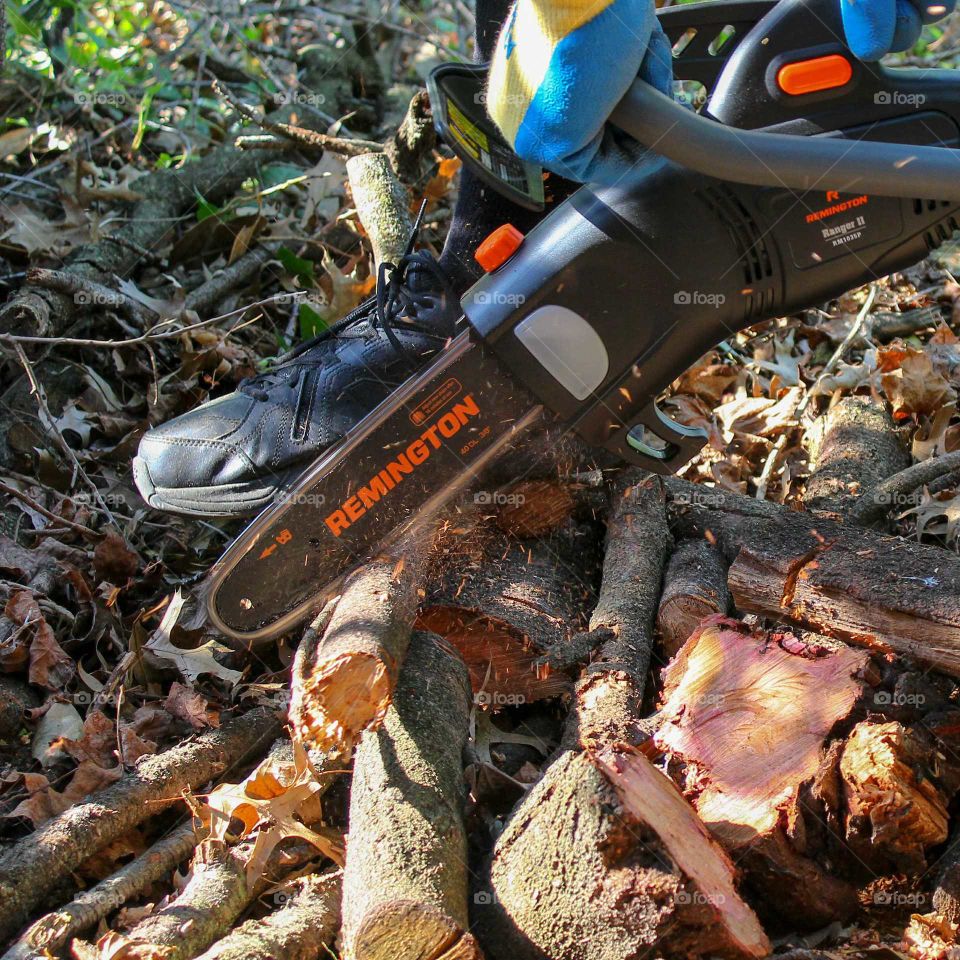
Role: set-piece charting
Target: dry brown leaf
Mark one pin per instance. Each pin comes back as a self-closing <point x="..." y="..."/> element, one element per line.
<point x="16" y="141"/>
<point x="271" y="801"/>
<point x="189" y="706"/>
<point x="98" y="743"/>
<point x="36" y="234"/>
<point x="50" y="667"/>
<point x="760" y="416"/>
<point x="440" y="182"/>
<point x="911" y="383"/>
<point x="194" y="662"/>
<point x="113" y="560"/>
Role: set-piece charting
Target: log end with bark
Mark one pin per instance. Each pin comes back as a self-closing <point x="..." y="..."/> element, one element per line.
<point x="502" y="602"/>
<point x="694" y="588"/>
<point x="768" y="735"/>
<point x="405" y="880"/>
<point x="631" y="869"/>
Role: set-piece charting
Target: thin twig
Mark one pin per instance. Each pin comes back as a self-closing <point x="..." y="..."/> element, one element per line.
<point x="301" y="135"/>
<point x="50" y="424"/>
<point x="150" y="335"/>
<point x="44" y="512"/>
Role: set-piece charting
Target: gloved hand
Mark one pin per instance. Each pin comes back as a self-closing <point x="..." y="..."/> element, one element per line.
<point x="877" y="27"/>
<point x="559" y="69"/>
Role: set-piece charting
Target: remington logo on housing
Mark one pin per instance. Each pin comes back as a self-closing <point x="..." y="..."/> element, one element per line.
<point x="394" y="472"/>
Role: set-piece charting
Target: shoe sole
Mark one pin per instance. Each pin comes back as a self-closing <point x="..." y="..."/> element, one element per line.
<point x="225" y="500"/>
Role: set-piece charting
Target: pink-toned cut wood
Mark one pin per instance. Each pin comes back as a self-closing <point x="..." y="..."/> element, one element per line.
<point x="760" y="730"/>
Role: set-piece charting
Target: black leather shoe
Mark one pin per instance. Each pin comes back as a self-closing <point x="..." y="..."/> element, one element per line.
<point x="234" y="455"/>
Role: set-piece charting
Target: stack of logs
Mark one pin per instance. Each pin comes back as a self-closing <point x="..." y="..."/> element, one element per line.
<point x="748" y="713"/>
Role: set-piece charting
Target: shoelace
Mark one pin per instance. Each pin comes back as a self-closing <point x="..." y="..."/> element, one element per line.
<point x="393" y="303"/>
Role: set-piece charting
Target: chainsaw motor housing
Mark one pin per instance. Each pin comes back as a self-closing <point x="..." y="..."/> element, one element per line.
<point x="584" y="312"/>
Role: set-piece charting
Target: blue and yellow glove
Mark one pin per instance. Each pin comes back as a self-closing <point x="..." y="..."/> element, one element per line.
<point x="559" y="69"/>
<point x="876" y="27"/>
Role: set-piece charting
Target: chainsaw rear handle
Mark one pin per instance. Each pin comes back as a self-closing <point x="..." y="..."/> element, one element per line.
<point x="767" y="159"/>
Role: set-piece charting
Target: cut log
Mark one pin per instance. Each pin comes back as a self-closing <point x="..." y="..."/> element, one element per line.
<point x="343" y="677"/>
<point x="764" y="734"/>
<point x="534" y="507"/>
<point x="744" y="721"/>
<point x="382" y="205"/>
<point x="880" y="592"/>
<point x="640" y="896"/>
<point x="502" y="602"/>
<point x="856" y="448"/>
<point x="639" y="872"/>
<point x="405" y="879"/>
<point x="694" y="588"/>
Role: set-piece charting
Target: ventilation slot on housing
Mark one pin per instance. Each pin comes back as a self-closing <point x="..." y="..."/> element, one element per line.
<point x="940" y="232"/>
<point x="752" y="250"/>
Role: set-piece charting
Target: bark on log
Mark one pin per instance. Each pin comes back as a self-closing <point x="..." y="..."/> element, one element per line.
<point x="764" y="733"/>
<point x="342" y="681"/>
<point x="302" y="928"/>
<point x="694" y="588"/>
<point x="215" y="895"/>
<point x="946" y="887"/>
<point x="414" y="140"/>
<point x="639" y="872"/>
<point x="871" y="590"/>
<point x="584" y="818"/>
<point x="405" y="879"/>
<point x="857" y="449"/>
<point x="608" y="697"/>
<point x="52" y="932"/>
<point x="30" y="868"/>
<point x="891" y="491"/>
<point x="502" y="602"/>
<point x="382" y="205"/>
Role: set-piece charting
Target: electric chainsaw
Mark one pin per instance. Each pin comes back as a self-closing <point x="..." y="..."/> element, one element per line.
<point x="805" y="174"/>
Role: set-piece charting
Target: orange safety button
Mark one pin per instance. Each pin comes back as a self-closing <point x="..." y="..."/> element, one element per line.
<point x="499" y="247"/>
<point x="810" y="76"/>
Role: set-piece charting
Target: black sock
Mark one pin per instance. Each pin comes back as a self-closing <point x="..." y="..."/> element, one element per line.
<point x="480" y="209"/>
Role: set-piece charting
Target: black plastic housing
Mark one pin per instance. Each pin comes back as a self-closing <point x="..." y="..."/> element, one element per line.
<point x="668" y="262"/>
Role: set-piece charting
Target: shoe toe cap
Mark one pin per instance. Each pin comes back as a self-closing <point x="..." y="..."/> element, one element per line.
<point x="199" y="448"/>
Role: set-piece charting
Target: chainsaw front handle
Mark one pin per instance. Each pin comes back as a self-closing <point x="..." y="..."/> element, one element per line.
<point x="783" y="160"/>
